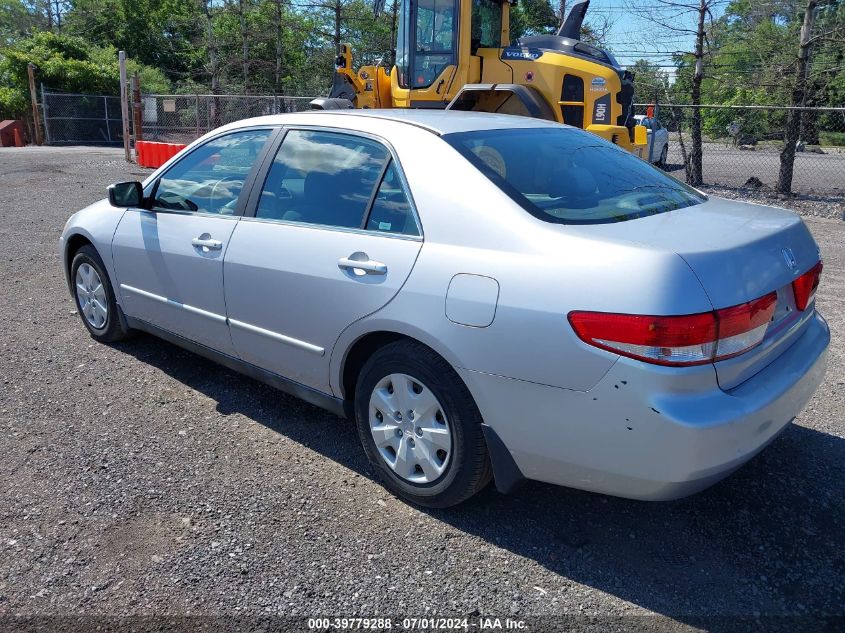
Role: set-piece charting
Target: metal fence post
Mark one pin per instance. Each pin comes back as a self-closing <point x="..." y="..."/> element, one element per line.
<point x="108" y="127"/>
<point x="44" y="110"/>
<point x="197" y="113"/>
<point x="137" y="109"/>
<point x="652" y="130"/>
<point x="656" y="118"/>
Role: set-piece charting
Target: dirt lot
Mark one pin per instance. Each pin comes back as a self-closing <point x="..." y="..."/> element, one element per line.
<point x="140" y="479"/>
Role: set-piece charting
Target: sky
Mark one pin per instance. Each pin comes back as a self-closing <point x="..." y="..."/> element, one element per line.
<point x="633" y="36"/>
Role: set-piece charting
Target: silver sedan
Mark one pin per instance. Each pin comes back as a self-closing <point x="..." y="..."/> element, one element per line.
<point x="488" y="297"/>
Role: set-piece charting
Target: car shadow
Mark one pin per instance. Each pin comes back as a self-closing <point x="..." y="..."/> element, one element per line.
<point x="767" y="541"/>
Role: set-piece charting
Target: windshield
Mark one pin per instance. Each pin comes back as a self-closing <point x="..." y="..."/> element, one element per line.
<point x="568" y="176"/>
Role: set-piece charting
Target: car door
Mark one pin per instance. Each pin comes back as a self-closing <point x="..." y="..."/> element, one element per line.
<point x="330" y="237"/>
<point x="661" y="137"/>
<point x="169" y="257"/>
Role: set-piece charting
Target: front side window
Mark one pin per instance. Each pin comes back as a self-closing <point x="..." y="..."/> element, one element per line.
<point x="569" y="176"/>
<point x="486" y="24"/>
<point x="211" y="177"/>
<point x="436" y="40"/>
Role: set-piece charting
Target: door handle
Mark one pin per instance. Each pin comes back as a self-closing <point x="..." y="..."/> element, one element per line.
<point x="367" y="265"/>
<point x="207" y="242"/>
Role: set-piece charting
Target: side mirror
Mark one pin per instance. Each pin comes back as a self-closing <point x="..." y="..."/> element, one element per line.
<point x="126" y="194"/>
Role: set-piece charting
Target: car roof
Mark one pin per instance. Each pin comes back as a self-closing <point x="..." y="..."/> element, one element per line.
<point x="436" y="121"/>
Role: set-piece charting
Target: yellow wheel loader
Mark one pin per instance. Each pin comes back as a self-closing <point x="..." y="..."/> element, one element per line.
<point x="457" y="55"/>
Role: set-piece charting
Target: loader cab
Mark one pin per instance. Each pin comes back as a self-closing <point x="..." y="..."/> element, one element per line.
<point x="436" y="47"/>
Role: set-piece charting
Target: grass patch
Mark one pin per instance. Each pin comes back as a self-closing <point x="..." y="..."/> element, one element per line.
<point x="836" y="139"/>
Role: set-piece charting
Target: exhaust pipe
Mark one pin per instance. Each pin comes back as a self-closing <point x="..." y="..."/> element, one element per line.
<point x="571" y="27"/>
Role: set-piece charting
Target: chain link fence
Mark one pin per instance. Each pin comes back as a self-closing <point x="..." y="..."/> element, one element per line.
<point x="183" y="118"/>
<point x="741" y="146"/>
<point x="74" y="119"/>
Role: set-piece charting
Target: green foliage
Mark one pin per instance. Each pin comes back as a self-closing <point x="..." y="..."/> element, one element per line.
<point x="68" y="64"/>
<point x="158" y="33"/>
<point x="13" y="104"/>
<point x="650" y="80"/>
<point x="832" y="138"/>
<point x="284" y="47"/>
<point x="532" y="17"/>
<point x="17" y="20"/>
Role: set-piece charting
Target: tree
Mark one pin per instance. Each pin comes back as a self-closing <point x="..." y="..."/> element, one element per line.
<point x="68" y="64"/>
<point x="532" y="17"/>
<point x="684" y="18"/>
<point x="650" y="79"/>
<point x="18" y="20"/>
<point x="836" y="32"/>
<point x="160" y="33"/>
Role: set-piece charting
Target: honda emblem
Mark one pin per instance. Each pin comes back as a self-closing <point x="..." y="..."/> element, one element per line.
<point x="789" y="258"/>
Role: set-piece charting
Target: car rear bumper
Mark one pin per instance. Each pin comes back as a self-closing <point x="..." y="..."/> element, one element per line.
<point x="648" y="432"/>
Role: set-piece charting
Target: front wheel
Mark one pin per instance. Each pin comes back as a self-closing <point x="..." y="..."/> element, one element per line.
<point x="94" y="296"/>
<point x="420" y="427"/>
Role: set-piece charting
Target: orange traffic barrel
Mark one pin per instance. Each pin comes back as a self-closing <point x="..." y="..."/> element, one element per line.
<point x="159" y="155"/>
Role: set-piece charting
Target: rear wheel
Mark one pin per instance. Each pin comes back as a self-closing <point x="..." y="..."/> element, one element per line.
<point x="420" y="427"/>
<point x="94" y="296"/>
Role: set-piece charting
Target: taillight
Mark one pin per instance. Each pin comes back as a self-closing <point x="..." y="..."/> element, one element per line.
<point x="692" y="339"/>
<point x="805" y="286"/>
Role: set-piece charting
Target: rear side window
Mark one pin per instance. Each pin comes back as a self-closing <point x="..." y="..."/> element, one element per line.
<point x="339" y="180"/>
<point x="568" y="176"/>
<point x="391" y="212"/>
<point x="322" y="178"/>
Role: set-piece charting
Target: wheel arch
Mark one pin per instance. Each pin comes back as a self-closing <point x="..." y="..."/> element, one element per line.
<point x="506" y="473"/>
<point x="366" y="343"/>
<point x="531" y="99"/>
<point x="73" y="243"/>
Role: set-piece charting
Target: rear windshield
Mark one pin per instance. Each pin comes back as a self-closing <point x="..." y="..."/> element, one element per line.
<point x="568" y="176"/>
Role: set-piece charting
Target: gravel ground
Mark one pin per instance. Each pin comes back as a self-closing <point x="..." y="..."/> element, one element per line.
<point x="808" y="205"/>
<point x="140" y="479"/>
<point x="822" y="174"/>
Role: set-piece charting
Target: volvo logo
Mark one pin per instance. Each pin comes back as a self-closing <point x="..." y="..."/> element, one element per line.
<point x="789" y="258"/>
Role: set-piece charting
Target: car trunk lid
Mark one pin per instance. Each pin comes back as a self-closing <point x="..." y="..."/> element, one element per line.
<point x="739" y="252"/>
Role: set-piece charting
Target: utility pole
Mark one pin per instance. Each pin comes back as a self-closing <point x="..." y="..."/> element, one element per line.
<point x="562" y="12"/>
<point x="799" y="97"/>
<point x="124" y="105"/>
<point x="33" y="96"/>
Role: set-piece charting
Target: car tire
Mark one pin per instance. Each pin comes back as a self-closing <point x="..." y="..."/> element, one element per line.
<point x="664" y="156"/>
<point x="94" y="297"/>
<point x="427" y="469"/>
